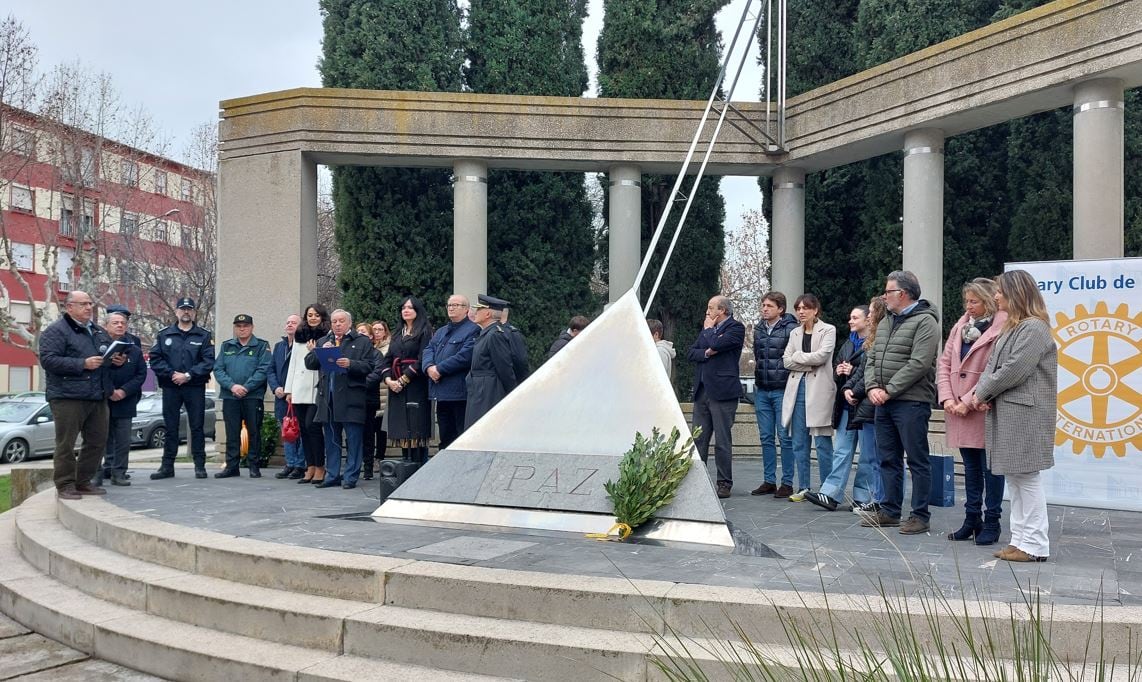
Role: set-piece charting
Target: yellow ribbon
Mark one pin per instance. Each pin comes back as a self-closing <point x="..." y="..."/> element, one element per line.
<point x="624" y="532"/>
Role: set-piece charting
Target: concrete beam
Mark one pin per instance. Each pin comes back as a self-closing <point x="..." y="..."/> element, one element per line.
<point x="1022" y="65"/>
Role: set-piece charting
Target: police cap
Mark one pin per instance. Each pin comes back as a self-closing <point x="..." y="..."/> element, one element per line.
<point x="243" y="319"/>
<point x="118" y="309"/>
<point x="485" y="301"/>
<point x="186" y="302"/>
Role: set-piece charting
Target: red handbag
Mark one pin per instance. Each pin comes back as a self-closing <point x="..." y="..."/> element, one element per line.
<point x="291" y="430"/>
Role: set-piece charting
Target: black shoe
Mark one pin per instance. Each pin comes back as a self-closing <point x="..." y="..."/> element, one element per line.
<point x="284" y="473"/>
<point x="200" y="473"/>
<point x="163" y="472"/>
<point x="822" y="500"/>
<point x="724" y="491"/>
<point x="348" y="486"/>
<point x="119" y="480"/>
<point x="296" y="474"/>
<point x="330" y="483"/>
<point x="255" y="472"/>
<point x="368" y="476"/>
<point x="127" y="476"/>
<point x="970" y="528"/>
<point x="989" y="533"/>
<point x="227" y="473"/>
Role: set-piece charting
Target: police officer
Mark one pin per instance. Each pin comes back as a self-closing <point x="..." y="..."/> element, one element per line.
<point x="182" y="359"/>
<point x="493" y="373"/>
<point x="520" y="364"/>
<point x="241" y="368"/>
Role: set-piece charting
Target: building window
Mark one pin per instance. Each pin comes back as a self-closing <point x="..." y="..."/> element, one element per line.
<point x="160" y="230"/>
<point x="67" y="217"/>
<point x="128" y="271"/>
<point x="21" y="311"/>
<point x="24" y="256"/>
<point x="129" y="170"/>
<point x="186" y="190"/>
<point x="129" y="224"/>
<point x="23" y="199"/>
<point x="19" y="379"/>
<point x="23" y="142"/>
<point x="79" y="170"/>
<point x="160" y="182"/>
<point x="65" y="265"/>
<point x="187" y="238"/>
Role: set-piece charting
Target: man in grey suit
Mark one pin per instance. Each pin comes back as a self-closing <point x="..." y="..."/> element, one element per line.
<point x="900" y="376"/>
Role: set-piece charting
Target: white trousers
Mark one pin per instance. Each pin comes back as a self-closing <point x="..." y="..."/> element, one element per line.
<point x="1028" y="513"/>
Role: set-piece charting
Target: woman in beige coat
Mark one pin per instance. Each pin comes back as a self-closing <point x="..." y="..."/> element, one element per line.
<point x="1018" y="391"/>
<point x="807" y="407"/>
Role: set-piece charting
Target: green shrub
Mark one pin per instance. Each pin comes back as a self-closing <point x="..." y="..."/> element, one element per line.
<point x="649" y="476"/>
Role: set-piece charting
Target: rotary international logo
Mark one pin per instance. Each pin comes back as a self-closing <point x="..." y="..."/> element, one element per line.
<point x="1100" y="385"/>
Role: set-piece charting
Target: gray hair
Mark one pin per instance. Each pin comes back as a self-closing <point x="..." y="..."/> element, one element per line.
<point x="725" y="304"/>
<point x="497" y="315"/>
<point x="344" y="312"/>
<point x="125" y="316"/>
<point x="907" y="282"/>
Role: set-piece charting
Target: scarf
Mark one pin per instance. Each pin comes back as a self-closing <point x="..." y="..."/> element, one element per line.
<point x="975" y="329"/>
<point x="857" y="341"/>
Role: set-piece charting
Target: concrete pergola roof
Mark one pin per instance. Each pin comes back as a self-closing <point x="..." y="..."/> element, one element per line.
<point x="1020" y="66"/>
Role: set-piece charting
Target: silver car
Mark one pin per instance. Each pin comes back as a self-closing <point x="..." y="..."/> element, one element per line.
<point x="148" y="429"/>
<point x="26" y="430"/>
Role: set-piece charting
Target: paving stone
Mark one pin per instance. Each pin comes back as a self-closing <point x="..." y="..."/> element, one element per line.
<point x="1086" y="543"/>
<point x="91" y="670"/>
<point x="33" y="653"/>
<point x="10" y="628"/>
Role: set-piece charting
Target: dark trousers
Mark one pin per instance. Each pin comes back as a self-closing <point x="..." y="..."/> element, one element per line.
<point x="902" y="430"/>
<point x="982" y="489"/>
<point x="312" y="435"/>
<point x="450" y="418"/>
<point x="118" y="446"/>
<point x="72" y="418"/>
<point x="716" y="418"/>
<point x="234" y="412"/>
<point x="194" y="399"/>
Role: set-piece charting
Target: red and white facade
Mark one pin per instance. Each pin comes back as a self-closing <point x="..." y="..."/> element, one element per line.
<point x="65" y="192"/>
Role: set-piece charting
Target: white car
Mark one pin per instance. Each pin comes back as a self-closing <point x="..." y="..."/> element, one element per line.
<point x="26" y="430"/>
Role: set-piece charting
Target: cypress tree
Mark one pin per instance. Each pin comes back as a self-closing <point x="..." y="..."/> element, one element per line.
<point x="393" y="225"/>
<point x="670" y="49"/>
<point x="540" y="244"/>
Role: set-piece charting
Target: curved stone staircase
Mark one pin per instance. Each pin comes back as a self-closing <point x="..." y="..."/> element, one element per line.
<point x="183" y="603"/>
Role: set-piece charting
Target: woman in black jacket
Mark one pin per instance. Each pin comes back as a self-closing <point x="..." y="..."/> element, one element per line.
<point x="867" y="489"/>
<point x="409" y="414"/>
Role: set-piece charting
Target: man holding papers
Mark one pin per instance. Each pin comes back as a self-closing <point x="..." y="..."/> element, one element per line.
<point x="126" y="389"/>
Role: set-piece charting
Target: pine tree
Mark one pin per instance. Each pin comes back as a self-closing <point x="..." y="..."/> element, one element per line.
<point x="670" y="49"/>
<point x="393" y="225"/>
<point x="540" y="243"/>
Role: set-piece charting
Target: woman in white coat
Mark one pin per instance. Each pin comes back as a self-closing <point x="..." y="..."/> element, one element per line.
<point x="301" y="390"/>
<point x="807" y="407"/>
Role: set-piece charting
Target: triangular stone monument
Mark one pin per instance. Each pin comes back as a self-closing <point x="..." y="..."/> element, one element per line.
<point x="540" y="457"/>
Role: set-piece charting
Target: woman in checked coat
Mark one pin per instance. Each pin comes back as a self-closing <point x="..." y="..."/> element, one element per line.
<point x="1018" y="391"/>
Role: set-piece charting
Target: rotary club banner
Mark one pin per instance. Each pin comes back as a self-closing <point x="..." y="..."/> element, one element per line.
<point x="1095" y="308"/>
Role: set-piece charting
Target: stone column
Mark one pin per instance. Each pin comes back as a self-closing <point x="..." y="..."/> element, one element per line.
<point x="1098" y="169"/>
<point x="788" y="229"/>
<point x="267" y="239"/>
<point x="924" y="211"/>
<point x="470" y="228"/>
<point x="624" y="221"/>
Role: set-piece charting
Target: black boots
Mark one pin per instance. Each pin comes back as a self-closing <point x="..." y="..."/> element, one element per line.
<point x="972" y="525"/>
<point x="989" y="533"/>
<point x="165" y="471"/>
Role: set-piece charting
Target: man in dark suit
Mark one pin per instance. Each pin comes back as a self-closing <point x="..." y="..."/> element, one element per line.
<point x="127" y="384"/>
<point x="341" y="398"/>
<point x="716" y="353"/>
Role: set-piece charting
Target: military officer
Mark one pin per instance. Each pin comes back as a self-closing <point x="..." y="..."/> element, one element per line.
<point x="182" y="359"/>
<point x="493" y="373"/>
<point x="520" y="363"/>
<point x="241" y="369"/>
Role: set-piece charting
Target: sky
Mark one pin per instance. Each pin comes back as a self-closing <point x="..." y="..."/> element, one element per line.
<point x="178" y="61"/>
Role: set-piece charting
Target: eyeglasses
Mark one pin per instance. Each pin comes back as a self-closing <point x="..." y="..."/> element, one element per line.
<point x="887" y="292"/>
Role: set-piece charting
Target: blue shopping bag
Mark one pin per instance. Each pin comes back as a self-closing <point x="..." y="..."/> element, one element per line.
<point x="943" y="493"/>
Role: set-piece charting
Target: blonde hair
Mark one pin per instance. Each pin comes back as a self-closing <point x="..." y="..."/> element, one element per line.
<point x="1023" y="298"/>
<point x="983" y="289"/>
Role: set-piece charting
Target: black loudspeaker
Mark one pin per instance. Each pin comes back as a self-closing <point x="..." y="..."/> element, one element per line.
<point x="392" y="473"/>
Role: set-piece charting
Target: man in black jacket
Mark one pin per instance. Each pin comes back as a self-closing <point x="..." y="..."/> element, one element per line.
<point x="716" y="353"/>
<point x="71" y="353"/>
<point x="182" y="359"/>
<point x="127" y="387"/>
<point x="770" y="336"/>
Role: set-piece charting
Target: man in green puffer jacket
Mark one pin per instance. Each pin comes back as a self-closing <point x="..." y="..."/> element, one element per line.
<point x="900" y="377"/>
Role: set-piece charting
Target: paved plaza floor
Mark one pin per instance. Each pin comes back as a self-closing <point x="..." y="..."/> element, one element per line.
<point x="1095" y="554"/>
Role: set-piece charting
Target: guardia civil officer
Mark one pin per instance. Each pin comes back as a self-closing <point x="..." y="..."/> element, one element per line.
<point x="182" y="359"/>
<point x="493" y="373"/>
<point x="241" y="368"/>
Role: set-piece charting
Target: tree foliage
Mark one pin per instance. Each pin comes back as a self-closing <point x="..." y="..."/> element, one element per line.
<point x="393" y="225"/>
<point x="670" y="49"/>
<point x="540" y="241"/>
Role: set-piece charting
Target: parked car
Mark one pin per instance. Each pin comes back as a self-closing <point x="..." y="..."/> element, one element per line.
<point x="26" y="429"/>
<point x="148" y="429"/>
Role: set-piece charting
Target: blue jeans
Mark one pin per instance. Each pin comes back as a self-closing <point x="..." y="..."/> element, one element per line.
<point x="354" y="437"/>
<point x="844" y="447"/>
<point x="294" y="455"/>
<point x="902" y="429"/>
<point x="982" y="489"/>
<point x="866" y="485"/>
<point x="801" y="443"/>
<point x="767" y="405"/>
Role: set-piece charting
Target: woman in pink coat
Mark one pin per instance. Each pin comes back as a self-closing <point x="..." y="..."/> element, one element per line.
<point x="965" y="355"/>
